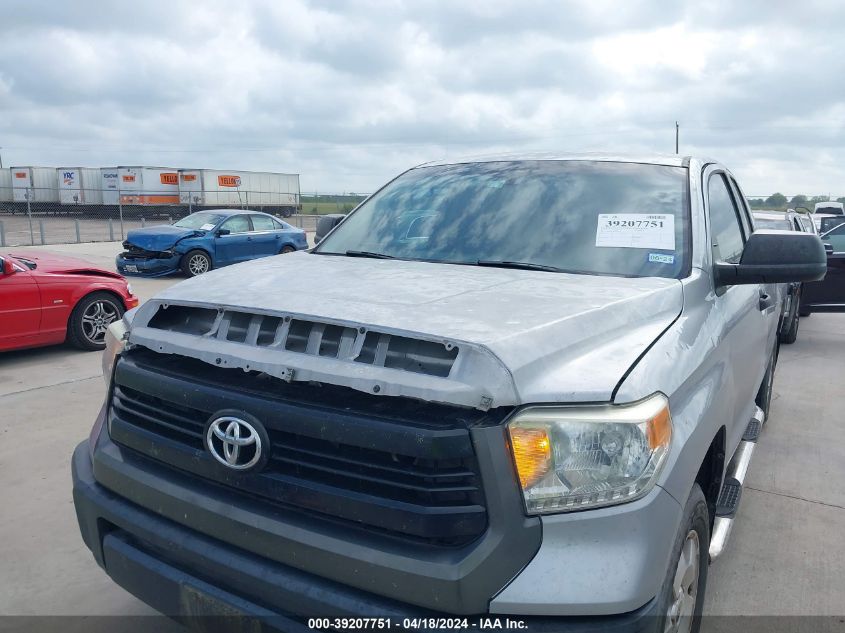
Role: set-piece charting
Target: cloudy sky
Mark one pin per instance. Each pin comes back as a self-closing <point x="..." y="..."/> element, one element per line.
<point x="349" y="93"/>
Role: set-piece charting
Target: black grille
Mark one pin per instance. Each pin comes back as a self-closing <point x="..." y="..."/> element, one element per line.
<point x="392" y="465"/>
<point x="136" y="252"/>
<point x="311" y="337"/>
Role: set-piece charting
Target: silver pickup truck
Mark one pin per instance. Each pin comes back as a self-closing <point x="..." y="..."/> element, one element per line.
<point x="518" y="387"/>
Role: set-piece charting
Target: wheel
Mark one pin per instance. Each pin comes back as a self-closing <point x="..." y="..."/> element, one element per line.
<point x="681" y="597"/>
<point x="287" y="248"/>
<point x="195" y="263"/>
<point x="86" y="328"/>
<point x="791" y="334"/>
<point x="764" y="394"/>
<point x="804" y="312"/>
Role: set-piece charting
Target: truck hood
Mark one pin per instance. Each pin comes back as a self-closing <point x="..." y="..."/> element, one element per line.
<point x="554" y="337"/>
<point x="158" y="238"/>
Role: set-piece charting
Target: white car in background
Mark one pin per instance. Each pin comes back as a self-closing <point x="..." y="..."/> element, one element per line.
<point x="824" y="210"/>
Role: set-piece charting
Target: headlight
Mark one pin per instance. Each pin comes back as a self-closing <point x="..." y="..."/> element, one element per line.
<point x="573" y="458"/>
<point x="129" y="289"/>
<point x="114" y="345"/>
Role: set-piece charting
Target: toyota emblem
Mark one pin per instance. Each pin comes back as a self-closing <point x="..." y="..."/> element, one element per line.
<point x="234" y="442"/>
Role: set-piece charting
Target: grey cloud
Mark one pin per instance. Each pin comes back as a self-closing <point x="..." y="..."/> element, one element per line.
<point x="348" y="93"/>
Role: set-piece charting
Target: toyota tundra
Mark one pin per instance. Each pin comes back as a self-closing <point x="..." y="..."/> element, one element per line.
<point x="517" y="387"/>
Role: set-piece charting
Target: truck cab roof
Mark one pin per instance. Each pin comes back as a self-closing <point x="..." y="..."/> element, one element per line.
<point x="672" y="160"/>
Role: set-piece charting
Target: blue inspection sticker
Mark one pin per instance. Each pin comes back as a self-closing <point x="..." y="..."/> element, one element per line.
<point x="660" y="258"/>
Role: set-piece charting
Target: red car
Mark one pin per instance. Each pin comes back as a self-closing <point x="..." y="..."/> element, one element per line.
<point x="46" y="299"/>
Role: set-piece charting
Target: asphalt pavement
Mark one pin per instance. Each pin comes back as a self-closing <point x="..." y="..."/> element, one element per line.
<point x="785" y="557"/>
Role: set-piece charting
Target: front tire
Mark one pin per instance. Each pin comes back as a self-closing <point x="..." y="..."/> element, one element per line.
<point x="195" y="263"/>
<point x="287" y="248"/>
<point x="87" y="325"/>
<point x="681" y="599"/>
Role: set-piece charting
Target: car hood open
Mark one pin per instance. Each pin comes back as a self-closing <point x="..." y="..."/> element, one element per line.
<point x="158" y="238"/>
<point x="555" y="337"/>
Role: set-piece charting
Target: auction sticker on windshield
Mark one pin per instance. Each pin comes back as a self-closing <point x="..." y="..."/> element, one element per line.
<point x="636" y="230"/>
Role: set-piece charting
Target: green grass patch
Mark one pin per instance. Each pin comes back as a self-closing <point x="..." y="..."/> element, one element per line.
<point x="322" y="205"/>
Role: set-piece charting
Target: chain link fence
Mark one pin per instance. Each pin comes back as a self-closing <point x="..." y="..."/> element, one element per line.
<point x="35" y="216"/>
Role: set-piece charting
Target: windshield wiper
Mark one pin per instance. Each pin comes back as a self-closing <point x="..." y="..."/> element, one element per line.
<point x="519" y="265"/>
<point x="27" y="262"/>
<point x="369" y="254"/>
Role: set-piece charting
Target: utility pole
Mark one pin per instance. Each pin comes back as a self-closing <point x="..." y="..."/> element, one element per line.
<point x="677" y="132"/>
<point x="1" y="158"/>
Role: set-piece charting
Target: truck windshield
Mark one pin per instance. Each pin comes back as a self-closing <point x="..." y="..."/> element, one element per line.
<point x="606" y="218"/>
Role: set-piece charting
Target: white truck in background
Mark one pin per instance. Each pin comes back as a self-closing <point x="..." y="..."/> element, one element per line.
<point x="272" y="192"/>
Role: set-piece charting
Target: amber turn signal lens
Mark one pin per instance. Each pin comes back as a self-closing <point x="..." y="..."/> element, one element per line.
<point x="659" y="429"/>
<point x="531" y="453"/>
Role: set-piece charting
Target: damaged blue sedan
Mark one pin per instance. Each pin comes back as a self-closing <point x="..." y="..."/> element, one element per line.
<point x="205" y="240"/>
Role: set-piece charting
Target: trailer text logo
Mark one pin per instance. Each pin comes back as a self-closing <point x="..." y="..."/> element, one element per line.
<point x="229" y="181"/>
<point x="169" y="179"/>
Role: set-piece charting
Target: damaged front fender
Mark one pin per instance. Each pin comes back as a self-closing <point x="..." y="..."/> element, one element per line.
<point x="158" y="238"/>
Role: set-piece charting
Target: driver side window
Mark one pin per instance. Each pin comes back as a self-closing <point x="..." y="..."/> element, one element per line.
<point x="236" y="224"/>
<point x="725" y="230"/>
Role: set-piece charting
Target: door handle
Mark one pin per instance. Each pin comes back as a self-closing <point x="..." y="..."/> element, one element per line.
<point x="766" y="301"/>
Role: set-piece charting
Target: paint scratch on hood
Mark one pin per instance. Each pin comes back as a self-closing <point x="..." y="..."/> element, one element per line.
<point x="559" y="337"/>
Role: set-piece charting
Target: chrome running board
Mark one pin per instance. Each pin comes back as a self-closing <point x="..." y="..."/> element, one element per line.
<point x="731" y="492"/>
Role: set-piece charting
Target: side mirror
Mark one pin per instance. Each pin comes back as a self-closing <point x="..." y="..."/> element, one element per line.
<point x="8" y="267"/>
<point x="326" y="223"/>
<point x="828" y="248"/>
<point x="221" y="232"/>
<point x="776" y="257"/>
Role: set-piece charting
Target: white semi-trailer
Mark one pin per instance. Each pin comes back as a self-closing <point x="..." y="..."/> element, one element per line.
<point x="148" y="186"/>
<point x="5" y="186"/>
<point x="79" y="185"/>
<point x="38" y="184"/>
<point x="147" y="191"/>
<point x="217" y="188"/>
<point x="109" y="179"/>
